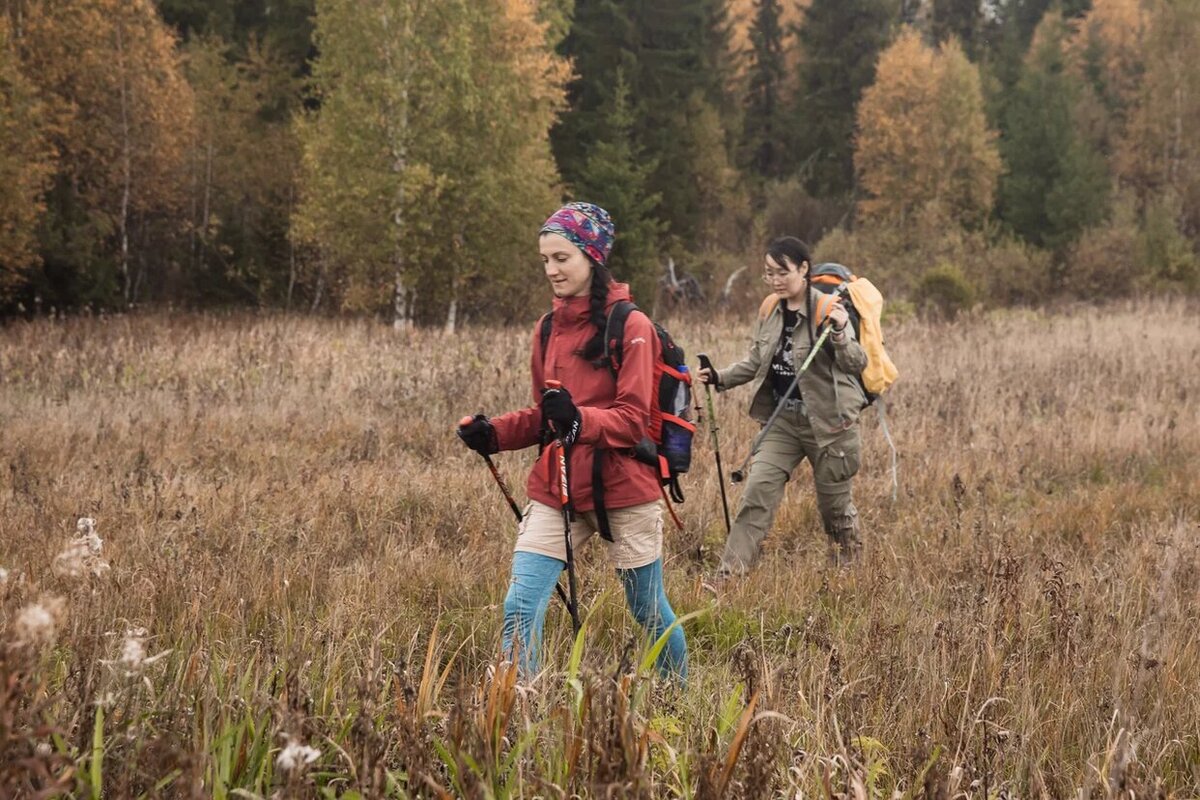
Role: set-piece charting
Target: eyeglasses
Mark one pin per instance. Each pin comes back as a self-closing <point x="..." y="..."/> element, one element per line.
<point x="770" y="275"/>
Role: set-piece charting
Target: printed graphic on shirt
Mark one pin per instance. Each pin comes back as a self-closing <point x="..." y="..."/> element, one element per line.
<point x="783" y="365"/>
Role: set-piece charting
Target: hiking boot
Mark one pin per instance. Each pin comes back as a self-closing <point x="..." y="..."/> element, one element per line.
<point x="845" y="546"/>
<point x="844" y="555"/>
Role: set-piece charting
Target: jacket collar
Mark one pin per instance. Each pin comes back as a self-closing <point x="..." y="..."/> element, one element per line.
<point x="576" y="310"/>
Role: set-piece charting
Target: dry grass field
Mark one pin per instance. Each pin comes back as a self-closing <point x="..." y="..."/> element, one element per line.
<point x="299" y="584"/>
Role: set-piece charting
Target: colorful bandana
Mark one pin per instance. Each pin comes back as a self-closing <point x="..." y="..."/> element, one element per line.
<point x="586" y="226"/>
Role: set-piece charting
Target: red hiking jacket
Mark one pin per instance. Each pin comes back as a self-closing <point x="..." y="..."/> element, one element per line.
<point x="615" y="414"/>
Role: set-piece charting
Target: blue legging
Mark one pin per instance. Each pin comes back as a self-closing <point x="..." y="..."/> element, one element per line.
<point x="533" y="579"/>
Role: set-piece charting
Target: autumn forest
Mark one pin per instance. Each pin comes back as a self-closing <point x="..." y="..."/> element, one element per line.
<point x="392" y="158"/>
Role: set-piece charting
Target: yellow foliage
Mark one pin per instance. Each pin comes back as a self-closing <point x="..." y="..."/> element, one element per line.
<point x="923" y="136"/>
<point x="26" y="162"/>
<point x="112" y="77"/>
<point x="1114" y="31"/>
<point x="1159" y="149"/>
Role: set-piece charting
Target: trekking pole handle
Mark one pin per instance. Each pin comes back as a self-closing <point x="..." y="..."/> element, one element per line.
<point x="564" y="480"/>
<point x="554" y="386"/>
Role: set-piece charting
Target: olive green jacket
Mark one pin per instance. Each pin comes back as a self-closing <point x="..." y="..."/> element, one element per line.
<point x="832" y="394"/>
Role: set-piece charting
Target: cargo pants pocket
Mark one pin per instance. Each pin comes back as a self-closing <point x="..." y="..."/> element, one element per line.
<point x="839" y="461"/>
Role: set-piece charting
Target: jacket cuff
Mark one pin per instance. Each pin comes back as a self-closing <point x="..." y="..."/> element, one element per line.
<point x="589" y="430"/>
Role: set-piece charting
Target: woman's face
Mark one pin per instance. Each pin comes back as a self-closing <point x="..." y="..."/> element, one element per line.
<point x="567" y="268"/>
<point x="785" y="278"/>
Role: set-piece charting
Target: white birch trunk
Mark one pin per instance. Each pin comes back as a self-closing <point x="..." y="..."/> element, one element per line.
<point x="404" y="299"/>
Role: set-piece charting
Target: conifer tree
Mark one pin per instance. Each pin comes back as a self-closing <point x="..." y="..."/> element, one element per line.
<point x="242" y="165"/>
<point x="669" y="54"/>
<point x="840" y="42"/>
<point x="615" y="176"/>
<point x="764" y="126"/>
<point x="1056" y="182"/>
<point x="961" y="19"/>
<point x="282" y="26"/>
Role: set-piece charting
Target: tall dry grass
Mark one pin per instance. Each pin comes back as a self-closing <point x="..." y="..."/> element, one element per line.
<point x="301" y="555"/>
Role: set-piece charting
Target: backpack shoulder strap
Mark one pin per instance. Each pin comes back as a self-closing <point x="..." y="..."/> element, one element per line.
<point x="768" y="305"/>
<point x="614" y="333"/>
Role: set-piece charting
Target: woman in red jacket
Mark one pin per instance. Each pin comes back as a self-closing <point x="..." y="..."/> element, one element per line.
<point x="592" y="412"/>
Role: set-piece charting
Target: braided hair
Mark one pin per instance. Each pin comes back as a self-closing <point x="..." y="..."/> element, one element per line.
<point x="602" y="279"/>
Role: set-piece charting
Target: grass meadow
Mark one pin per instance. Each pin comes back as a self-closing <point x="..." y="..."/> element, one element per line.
<point x="293" y="585"/>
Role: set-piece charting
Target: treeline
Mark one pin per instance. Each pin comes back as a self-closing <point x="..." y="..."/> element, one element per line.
<point x="395" y="156"/>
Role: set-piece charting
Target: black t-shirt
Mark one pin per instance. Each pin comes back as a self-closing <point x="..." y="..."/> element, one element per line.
<point x="783" y="367"/>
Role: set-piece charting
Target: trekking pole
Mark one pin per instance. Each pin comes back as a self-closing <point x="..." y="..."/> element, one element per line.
<point x="564" y="482"/>
<point x="739" y="474"/>
<point x="716" y="441"/>
<point x="499" y="479"/>
<point x="512" y="503"/>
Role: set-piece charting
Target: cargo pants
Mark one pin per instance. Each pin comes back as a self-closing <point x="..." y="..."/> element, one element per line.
<point x="790" y="441"/>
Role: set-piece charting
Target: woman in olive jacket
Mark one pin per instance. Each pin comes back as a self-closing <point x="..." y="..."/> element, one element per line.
<point x="818" y="420"/>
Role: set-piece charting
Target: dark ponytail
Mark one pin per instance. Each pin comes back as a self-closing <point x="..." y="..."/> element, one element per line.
<point x="593" y="351"/>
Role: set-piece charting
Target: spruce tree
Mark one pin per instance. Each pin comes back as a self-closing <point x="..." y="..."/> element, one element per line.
<point x="840" y="41"/>
<point x="764" y="125"/>
<point x="616" y="175"/>
<point x="961" y="19"/>
<point x="1057" y="183"/>
<point x="669" y="54"/>
<point x="285" y="26"/>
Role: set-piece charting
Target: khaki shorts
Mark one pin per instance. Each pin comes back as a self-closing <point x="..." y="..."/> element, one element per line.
<point x="637" y="533"/>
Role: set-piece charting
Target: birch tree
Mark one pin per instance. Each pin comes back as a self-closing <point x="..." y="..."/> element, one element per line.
<point x="120" y="111"/>
<point x="428" y="160"/>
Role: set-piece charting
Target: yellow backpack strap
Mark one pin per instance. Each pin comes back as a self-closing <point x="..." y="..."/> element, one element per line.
<point x="768" y="305"/>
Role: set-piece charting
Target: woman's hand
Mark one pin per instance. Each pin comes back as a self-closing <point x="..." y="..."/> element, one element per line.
<point x="709" y="376"/>
<point x="838" y="317"/>
<point x="478" y="434"/>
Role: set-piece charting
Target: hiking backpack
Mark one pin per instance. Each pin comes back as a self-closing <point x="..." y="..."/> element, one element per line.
<point x="668" y="444"/>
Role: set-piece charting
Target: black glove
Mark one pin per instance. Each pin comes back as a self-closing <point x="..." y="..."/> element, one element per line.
<point x="478" y="434"/>
<point x="560" y="414"/>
